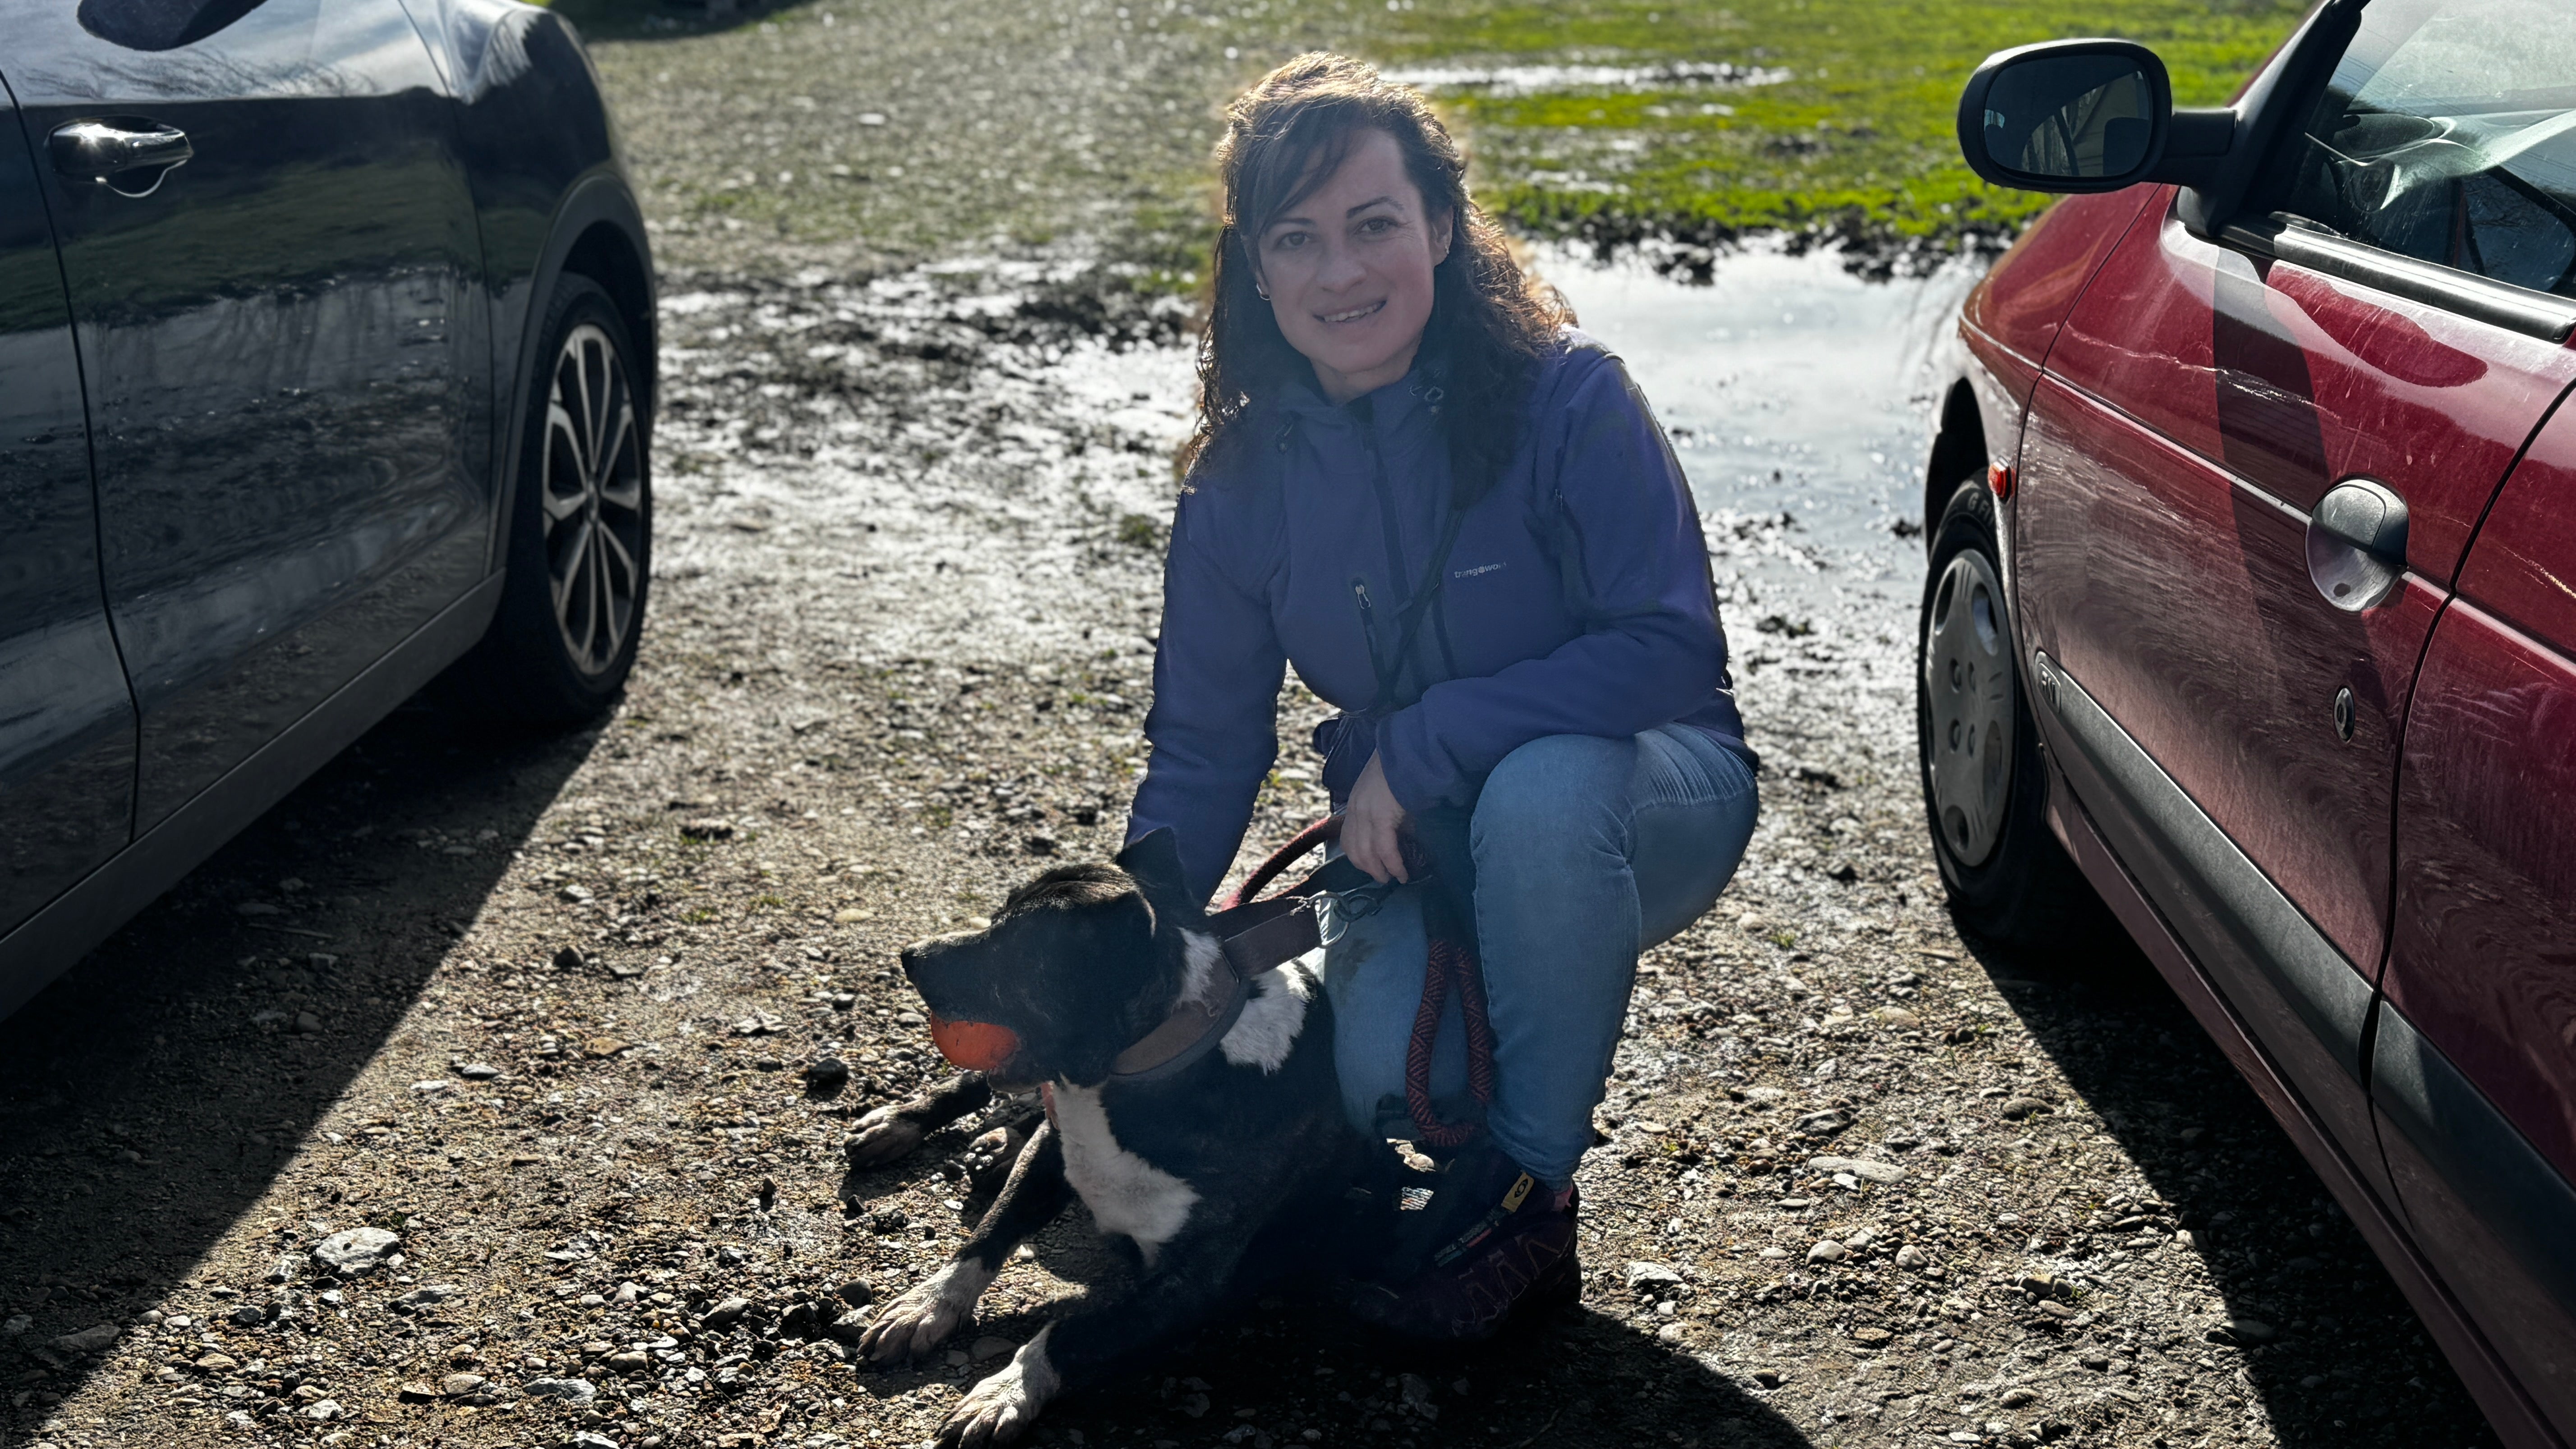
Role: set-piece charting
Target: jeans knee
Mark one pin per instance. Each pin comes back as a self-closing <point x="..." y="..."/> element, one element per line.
<point x="1559" y="794"/>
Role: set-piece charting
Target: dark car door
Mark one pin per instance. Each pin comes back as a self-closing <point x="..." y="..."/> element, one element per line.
<point x="2237" y="729"/>
<point x="66" y="721"/>
<point x="2475" y="1064"/>
<point x="284" y="347"/>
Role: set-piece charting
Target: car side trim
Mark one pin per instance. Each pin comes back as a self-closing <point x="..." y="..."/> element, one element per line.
<point x="2483" y="1158"/>
<point x="52" y="940"/>
<point x="2534" y="314"/>
<point x="2312" y="976"/>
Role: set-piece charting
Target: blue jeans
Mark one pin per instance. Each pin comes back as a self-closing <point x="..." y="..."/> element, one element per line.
<point x="1587" y="851"/>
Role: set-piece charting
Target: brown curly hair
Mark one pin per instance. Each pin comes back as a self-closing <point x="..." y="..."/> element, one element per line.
<point x="1490" y="324"/>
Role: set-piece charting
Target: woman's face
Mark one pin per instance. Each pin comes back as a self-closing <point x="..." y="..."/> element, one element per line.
<point x="1348" y="270"/>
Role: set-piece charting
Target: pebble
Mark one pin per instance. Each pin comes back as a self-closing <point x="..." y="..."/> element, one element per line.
<point x="416" y="1393"/>
<point x="909" y="1018"/>
<point x="1671" y="1333"/>
<point x="1823" y="1124"/>
<point x="990" y="1346"/>
<point x="1911" y="1256"/>
<point x="570" y="1391"/>
<point x="216" y="1363"/>
<point x="322" y="1411"/>
<point x="288" y="1268"/>
<point x="1642" y="1275"/>
<point x="2016" y="1397"/>
<point x="631" y="1361"/>
<point x="307" y="1023"/>
<point x="88" y="1340"/>
<point x="850" y="1326"/>
<point x="2016" y="1108"/>
<point x="1858" y="1167"/>
<point x="246" y="1316"/>
<point x="726" y="1314"/>
<point x="588" y="1440"/>
<point x="478" y="1071"/>
<point x="1893" y="1017"/>
<point x="2245" y="1330"/>
<point x="1827" y="1250"/>
<point x="457" y="1386"/>
<point x="828" y="1072"/>
<point x="357" y="1250"/>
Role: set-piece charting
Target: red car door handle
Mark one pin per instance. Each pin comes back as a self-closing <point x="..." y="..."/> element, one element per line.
<point x="2357" y="543"/>
<point x="126" y="156"/>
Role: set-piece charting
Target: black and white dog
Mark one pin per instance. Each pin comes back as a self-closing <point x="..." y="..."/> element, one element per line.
<point x="1193" y="1110"/>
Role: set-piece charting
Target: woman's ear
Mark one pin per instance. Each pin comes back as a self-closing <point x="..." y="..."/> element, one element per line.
<point x="1443" y="232"/>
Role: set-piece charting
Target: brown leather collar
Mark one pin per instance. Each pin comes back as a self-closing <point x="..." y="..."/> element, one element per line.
<point x="1251" y="939"/>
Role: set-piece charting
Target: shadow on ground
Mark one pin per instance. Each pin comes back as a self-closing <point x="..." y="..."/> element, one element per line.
<point x="2351" y="1365"/>
<point x="149" y="1097"/>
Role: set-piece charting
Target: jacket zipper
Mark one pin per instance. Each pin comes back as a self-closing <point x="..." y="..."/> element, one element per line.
<point x="1390" y="681"/>
<point x="1368" y="634"/>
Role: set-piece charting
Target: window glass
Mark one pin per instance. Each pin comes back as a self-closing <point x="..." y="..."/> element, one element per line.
<point x="2448" y="134"/>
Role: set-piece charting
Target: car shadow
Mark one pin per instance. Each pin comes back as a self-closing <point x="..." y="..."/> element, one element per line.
<point x="2348" y="1364"/>
<point x="150" y="1096"/>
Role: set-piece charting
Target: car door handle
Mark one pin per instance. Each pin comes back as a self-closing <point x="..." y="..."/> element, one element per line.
<point x="127" y="156"/>
<point x="2357" y="543"/>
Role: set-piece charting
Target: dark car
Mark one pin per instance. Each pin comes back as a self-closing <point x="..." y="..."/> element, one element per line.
<point x="2252" y="610"/>
<point x="326" y="359"/>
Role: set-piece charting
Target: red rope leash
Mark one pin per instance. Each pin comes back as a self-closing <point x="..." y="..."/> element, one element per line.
<point x="1451" y="966"/>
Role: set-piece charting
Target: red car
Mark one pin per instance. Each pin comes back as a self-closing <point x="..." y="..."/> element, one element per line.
<point x="2252" y="609"/>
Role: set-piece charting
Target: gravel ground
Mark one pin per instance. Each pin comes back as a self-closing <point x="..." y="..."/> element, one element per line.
<point x="465" y="1099"/>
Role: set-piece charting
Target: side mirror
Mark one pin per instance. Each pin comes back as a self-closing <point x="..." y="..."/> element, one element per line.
<point x="2083" y="115"/>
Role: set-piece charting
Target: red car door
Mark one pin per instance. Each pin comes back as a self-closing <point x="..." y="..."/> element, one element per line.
<point x="2233" y="729"/>
<point x="2473" y="1069"/>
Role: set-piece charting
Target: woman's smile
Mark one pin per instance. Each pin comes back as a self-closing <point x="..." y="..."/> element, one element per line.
<point x="1369" y="309"/>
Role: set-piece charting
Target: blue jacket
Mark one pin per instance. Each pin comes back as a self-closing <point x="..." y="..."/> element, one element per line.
<point x="1576" y="598"/>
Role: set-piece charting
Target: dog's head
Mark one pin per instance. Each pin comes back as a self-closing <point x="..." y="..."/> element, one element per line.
<point x="1077" y="965"/>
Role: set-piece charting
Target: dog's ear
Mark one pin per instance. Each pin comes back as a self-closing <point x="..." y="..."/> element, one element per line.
<point x="1155" y="862"/>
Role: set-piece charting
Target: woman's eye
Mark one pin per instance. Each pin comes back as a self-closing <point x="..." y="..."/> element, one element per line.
<point x="1289" y="241"/>
<point x="1377" y="224"/>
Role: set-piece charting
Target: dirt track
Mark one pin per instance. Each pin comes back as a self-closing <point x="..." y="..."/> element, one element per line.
<point x="540" y="1010"/>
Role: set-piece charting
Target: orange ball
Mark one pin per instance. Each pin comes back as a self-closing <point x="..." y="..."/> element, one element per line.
<point x="978" y="1046"/>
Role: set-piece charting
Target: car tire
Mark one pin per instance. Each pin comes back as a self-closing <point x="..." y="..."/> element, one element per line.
<point x="579" y="552"/>
<point x="1985" y="789"/>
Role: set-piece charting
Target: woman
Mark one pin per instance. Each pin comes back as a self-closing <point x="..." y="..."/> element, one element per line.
<point x="1412" y="478"/>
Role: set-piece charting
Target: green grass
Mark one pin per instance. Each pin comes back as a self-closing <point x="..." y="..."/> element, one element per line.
<point x="1859" y="142"/>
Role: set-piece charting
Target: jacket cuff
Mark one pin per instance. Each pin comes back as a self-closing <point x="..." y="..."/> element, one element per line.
<point x="1418" y="772"/>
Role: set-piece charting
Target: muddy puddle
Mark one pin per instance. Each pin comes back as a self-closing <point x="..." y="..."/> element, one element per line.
<point x="1793" y="389"/>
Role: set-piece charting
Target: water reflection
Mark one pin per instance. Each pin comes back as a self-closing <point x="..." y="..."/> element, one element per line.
<point x="1788" y="384"/>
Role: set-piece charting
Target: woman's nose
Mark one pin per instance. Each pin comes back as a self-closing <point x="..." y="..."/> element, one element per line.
<point x="1341" y="268"/>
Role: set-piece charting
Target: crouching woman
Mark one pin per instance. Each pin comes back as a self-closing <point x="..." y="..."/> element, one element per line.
<point x="1414" y="480"/>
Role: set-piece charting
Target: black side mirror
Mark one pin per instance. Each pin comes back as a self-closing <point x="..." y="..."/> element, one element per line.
<point x="2083" y="115"/>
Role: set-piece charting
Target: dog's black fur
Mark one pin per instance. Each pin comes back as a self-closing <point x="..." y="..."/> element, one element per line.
<point x="1240" y="1160"/>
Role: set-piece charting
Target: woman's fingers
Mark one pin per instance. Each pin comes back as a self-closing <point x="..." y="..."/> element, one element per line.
<point x="1371" y="825"/>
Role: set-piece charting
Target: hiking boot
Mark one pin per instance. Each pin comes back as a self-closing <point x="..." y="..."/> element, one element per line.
<point x="1491" y="1240"/>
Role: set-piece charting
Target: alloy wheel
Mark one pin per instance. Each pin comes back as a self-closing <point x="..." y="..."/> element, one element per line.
<point x="593" y="492"/>
<point x="1968" y="688"/>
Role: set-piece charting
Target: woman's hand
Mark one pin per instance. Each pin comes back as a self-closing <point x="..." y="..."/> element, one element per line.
<point x="1372" y="826"/>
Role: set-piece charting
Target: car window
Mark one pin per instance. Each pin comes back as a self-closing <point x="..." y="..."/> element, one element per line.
<point x="2448" y="134"/>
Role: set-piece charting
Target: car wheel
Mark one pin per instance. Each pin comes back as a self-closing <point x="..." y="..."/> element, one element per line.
<point x="581" y="527"/>
<point x="1984" y="786"/>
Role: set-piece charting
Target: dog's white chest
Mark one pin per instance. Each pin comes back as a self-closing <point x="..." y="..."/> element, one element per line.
<point x="1126" y="1194"/>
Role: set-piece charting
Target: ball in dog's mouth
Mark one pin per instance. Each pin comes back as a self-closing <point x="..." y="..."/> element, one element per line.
<point x="978" y="1046"/>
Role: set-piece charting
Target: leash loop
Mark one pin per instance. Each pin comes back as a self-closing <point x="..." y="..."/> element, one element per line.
<point x="1450" y="966"/>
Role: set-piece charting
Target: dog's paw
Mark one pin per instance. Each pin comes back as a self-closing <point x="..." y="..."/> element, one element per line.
<point x="884" y="1135"/>
<point x="1001" y="1408"/>
<point x="989" y="1158"/>
<point x="936" y="1307"/>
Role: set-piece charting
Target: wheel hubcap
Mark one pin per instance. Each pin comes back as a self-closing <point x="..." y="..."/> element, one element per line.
<point x="1968" y="686"/>
<point x="593" y="490"/>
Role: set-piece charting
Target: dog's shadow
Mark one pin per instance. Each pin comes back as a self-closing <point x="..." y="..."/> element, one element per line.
<point x="1292" y="1361"/>
<point x="1283" y="1358"/>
